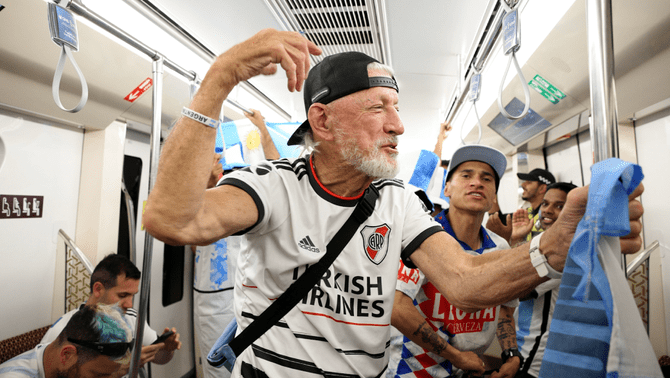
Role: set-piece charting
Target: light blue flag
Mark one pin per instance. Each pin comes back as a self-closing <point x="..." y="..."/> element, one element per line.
<point x="596" y="330"/>
<point x="424" y="169"/>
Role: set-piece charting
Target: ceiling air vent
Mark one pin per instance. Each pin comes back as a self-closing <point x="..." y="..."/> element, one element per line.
<point x="337" y="25"/>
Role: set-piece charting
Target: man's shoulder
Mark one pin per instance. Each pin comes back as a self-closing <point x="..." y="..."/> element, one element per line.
<point x="499" y="241"/>
<point x="287" y="166"/>
<point x="26" y="364"/>
<point x="389" y="184"/>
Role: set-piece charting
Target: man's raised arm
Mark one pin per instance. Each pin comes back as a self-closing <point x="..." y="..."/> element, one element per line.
<point x="476" y="282"/>
<point x="179" y="210"/>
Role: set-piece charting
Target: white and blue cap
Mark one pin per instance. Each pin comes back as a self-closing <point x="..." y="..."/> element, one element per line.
<point x="484" y="154"/>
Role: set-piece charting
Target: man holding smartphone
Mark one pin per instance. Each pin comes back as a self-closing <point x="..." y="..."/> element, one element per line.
<point x="115" y="280"/>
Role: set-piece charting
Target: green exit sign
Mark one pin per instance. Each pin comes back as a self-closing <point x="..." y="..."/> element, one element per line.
<point x="546" y="89"/>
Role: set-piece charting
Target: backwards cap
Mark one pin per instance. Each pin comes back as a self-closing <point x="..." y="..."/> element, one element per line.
<point x="336" y="76"/>
<point x="538" y="174"/>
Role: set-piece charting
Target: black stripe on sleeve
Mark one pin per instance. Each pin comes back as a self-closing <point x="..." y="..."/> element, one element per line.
<point x="251" y="192"/>
<point x="407" y="252"/>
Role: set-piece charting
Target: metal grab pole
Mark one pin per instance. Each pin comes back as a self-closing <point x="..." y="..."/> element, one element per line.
<point x="604" y="126"/>
<point x="148" y="239"/>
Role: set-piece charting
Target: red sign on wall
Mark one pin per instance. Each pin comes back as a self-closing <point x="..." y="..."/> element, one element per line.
<point x="137" y="92"/>
<point x="15" y="206"/>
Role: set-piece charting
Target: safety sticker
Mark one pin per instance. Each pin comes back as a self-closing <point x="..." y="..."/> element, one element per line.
<point x="17" y="206"/>
<point x="137" y="92"/>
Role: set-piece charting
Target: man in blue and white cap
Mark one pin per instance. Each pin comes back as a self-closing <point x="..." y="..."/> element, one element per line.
<point x="289" y="210"/>
<point x="439" y="339"/>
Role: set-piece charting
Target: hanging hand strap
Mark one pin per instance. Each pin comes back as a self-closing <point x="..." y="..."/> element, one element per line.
<point x="511" y="35"/>
<point x="65" y="53"/>
<point x="298" y="289"/>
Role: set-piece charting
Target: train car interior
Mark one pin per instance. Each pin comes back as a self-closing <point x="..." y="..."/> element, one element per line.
<point x="74" y="182"/>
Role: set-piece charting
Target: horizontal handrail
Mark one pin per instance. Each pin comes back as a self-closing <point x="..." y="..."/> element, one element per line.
<point x="644" y="255"/>
<point x="76" y="251"/>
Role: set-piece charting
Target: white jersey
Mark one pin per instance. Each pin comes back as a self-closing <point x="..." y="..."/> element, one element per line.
<point x="26" y="365"/>
<point x="213" y="281"/>
<point x="341" y="328"/>
<point x="215" y="265"/>
<point x="532" y="326"/>
<point x="131" y="318"/>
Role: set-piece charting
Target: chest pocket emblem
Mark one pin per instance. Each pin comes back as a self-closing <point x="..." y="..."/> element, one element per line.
<point x="376" y="242"/>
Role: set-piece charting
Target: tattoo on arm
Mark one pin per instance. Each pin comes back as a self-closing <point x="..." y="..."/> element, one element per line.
<point x="430" y="337"/>
<point x="506" y="333"/>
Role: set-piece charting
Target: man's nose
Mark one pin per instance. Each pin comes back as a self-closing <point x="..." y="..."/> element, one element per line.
<point x="394" y="123"/>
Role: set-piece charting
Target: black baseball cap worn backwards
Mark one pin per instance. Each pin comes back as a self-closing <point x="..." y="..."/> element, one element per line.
<point x="538" y="174"/>
<point x="336" y="76"/>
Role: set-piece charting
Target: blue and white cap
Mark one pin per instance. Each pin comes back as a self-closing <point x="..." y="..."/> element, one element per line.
<point x="477" y="152"/>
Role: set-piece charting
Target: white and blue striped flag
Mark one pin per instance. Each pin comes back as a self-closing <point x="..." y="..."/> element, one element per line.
<point x="596" y="330"/>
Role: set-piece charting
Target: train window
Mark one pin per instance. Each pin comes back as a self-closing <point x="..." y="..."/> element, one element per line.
<point x="173" y="274"/>
<point x="132" y="175"/>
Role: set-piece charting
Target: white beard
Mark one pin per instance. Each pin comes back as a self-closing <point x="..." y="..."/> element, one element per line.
<point x="375" y="164"/>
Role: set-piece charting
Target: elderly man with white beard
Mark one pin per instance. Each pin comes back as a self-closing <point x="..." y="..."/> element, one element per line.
<point x="289" y="210"/>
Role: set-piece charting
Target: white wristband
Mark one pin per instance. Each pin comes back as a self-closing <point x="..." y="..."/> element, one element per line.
<point x="200" y="118"/>
<point x="540" y="262"/>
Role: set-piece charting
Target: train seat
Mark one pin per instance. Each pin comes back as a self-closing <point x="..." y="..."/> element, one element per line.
<point x="13" y="346"/>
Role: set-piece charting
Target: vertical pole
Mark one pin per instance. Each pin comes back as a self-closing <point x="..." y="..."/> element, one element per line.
<point x="601" y="78"/>
<point x="604" y="126"/>
<point x="157" y="100"/>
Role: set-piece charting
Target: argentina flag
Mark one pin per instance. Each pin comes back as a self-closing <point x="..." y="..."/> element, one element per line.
<point x="596" y="330"/>
<point x="240" y="142"/>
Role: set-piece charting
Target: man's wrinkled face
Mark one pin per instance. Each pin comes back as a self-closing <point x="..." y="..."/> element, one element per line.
<point x="366" y="125"/>
<point x="551" y="207"/>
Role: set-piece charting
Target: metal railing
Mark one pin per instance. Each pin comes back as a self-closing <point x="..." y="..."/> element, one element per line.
<point x="72" y="276"/>
<point x="130" y="212"/>
<point x="641" y="258"/>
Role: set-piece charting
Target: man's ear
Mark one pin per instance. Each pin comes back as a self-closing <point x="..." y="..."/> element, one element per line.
<point x="67" y="356"/>
<point x="98" y="290"/>
<point x="542" y="189"/>
<point x="447" y="189"/>
<point x="318" y="120"/>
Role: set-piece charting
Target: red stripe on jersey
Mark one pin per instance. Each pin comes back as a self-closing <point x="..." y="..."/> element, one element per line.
<point x="342" y="321"/>
<point x="311" y="166"/>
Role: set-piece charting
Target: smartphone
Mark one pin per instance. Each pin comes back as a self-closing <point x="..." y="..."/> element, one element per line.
<point x="163" y="337"/>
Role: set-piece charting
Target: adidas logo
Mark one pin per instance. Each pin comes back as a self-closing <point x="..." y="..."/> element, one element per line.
<point x="306" y="243"/>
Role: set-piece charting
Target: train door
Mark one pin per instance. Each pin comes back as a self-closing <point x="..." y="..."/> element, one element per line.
<point x="170" y="299"/>
<point x="652" y="135"/>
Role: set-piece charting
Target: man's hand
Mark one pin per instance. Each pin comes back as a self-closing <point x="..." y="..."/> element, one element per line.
<point x="257" y="118"/>
<point x="445" y="128"/>
<point x="562" y="232"/>
<point x="149" y="353"/>
<point x="495" y="224"/>
<point x="470" y="362"/>
<point x="261" y="53"/>
<point x="172" y="343"/>
<point x="508" y="369"/>
<point x="521" y="227"/>
<point x="632" y="242"/>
